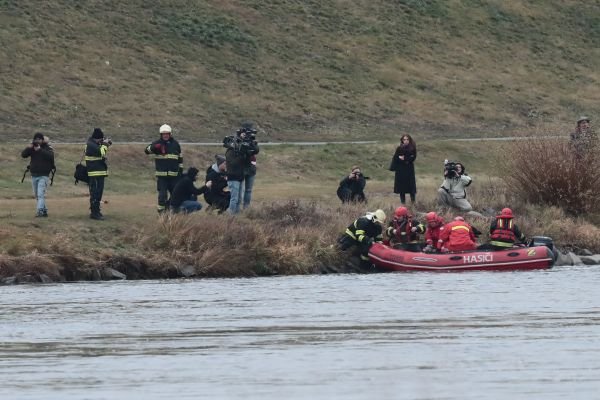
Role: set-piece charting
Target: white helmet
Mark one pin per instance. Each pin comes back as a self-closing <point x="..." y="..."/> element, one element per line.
<point x="379" y="216"/>
<point x="165" y="129"/>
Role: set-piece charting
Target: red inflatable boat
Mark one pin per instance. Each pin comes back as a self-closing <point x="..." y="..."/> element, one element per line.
<point x="516" y="258"/>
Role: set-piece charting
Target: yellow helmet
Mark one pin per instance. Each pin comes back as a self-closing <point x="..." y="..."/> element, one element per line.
<point x="379" y="216"/>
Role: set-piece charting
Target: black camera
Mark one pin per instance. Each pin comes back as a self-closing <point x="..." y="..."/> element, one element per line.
<point x="450" y="168"/>
<point x="250" y="133"/>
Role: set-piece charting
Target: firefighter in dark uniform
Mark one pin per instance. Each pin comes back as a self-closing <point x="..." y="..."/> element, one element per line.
<point x="168" y="163"/>
<point x="404" y="231"/>
<point x="97" y="170"/>
<point x="362" y="233"/>
<point x="504" y="233"/>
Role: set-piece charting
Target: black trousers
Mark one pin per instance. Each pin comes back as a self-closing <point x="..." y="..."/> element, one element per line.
<point x="165" y="186"/>
<point x="347" y="196"/>
<point x="96" y="186"/>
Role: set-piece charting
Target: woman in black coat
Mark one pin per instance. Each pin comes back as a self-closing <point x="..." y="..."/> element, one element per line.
<point x="403" y="165"/>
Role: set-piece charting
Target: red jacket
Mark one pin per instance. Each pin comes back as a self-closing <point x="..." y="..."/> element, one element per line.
<point x="458" y="236"/>
<point x="432" y="235"/>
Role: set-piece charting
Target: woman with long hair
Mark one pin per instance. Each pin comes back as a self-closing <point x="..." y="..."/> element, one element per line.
<point x="403" y="166"/>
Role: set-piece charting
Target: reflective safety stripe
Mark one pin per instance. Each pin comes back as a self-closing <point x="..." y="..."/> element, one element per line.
<point x="454" y="228"/>
<point x="90" y="158"/>
<point x="160" y="208"/>
<point x="500" y="244"/>
<point x="167" y="156"/>
<point x="364" y="258"/>
<point x="97" y="173"/>
<point x="350" y="233"/>
<point x="166" y="173"/>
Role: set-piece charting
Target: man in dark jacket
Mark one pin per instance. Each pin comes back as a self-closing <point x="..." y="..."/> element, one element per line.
<point x="168" y="163"/>
<point x="218" y="196"/>
<point x="352" y="187"/>
<point x="185" y="194"/>
<point x="97" y="169"/>
<point x="241" y="169"/>
<point x="40" y="167"/>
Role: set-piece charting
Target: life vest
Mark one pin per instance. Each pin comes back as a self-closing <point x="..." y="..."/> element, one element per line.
<point x="504" y="233"/>
<point x="458" y="236"/>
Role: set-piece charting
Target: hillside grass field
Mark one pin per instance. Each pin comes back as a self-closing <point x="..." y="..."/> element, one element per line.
<point x="308" y="70"/>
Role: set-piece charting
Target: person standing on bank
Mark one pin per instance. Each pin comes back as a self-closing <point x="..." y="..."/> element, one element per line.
<point x="97" y="169"/>
<point x="403" y="166"/>
<point x="168" y="163"/>
<point x="40" y="167"/>
<point x="583" y="139"/>
<point x="241" y="165"/>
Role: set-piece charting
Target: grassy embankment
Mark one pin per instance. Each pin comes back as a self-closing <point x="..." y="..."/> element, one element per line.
<point x="312" y="69"/>
<point x="294" y="221"/>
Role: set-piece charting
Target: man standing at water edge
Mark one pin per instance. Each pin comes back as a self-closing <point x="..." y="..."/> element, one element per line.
<point x="240" y="156"/>
<point x="168" y="163"/>
<point x="95" y="160"/>
<point x="40" y="167"/>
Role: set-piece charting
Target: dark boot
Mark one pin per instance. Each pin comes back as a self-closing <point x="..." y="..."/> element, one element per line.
<point x="95" y="212"/>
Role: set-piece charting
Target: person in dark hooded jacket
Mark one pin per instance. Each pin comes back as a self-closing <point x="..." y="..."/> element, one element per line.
<point x="40" y="167"/>
<point x="218" y="196"/>
<point x="352" y="187"/>
<point x="185" y="194"/>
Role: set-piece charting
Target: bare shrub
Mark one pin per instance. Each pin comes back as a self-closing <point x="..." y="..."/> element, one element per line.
<point x="546" y="171"/>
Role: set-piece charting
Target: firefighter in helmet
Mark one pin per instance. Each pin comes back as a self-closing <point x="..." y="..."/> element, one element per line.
<point x="403" y="230"/>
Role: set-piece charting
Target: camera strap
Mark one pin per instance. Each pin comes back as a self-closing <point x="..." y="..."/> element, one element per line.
<point x="52" y="172"/>
<point x="25" y="173"/>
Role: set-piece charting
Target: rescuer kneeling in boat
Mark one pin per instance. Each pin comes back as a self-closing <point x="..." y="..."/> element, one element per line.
<point x="458" y="235"/>
<point x="504" y="233"/>
<point x="404" y="231"/>
<point x="362" y="233"/>
<point x="435" y="227"/>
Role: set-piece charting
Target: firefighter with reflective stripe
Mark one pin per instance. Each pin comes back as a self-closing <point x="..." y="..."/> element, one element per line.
<point x="435" y="227"/>
<point x="458" y="235"/>
<point x="504" y="233"/>
<point x="97" y="169"/>
<point x="404" y="231"/>
<point x="362" y="233"/>
<point x="168" y="163"/>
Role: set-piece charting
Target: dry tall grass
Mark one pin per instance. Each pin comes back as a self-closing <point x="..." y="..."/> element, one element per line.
<point x="548" y="172"/>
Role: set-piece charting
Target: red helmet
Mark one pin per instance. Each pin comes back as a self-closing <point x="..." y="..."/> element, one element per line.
<point x="459" y="219"/>
<point x="431" y="216"/>
<point x="506" y="213"/>
<point x="401" y="212"/>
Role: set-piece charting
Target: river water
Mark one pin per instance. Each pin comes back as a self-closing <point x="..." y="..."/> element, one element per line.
<point x="472" y="335"/>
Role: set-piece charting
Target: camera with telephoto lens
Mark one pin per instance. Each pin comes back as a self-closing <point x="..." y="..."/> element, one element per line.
<point x="450" y="167"/>
<point x="359" y="175"/>
<point x="106" y="141"/>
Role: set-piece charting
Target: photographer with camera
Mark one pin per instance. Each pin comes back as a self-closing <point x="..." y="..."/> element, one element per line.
<point x="241" y="165"/>
<point x="97" y="169"/>
<point x="352" y="187"/>
<point x="168" y="163"/>
<point x="453" y="191"/>
<point x="40" y="167"/>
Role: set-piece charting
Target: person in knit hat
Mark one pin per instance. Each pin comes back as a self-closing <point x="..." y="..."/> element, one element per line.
<point x="97" y="169"/>
<point x="40" y="167"/>
<point x="168" y="162"/>
<point x="218" y="195"/>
